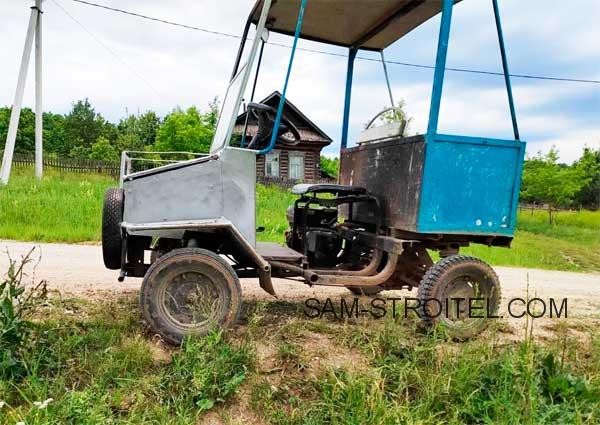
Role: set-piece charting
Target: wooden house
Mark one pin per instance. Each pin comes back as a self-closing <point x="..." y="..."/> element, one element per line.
<point x="298" y="163"/>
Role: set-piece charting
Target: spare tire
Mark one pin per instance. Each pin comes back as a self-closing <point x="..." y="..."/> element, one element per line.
<point x="112" y="216"/>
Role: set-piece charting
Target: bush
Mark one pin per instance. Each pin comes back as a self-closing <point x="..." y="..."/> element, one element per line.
<point x="16" y="305"/>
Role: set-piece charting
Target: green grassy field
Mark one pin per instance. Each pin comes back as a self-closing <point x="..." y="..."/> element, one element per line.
<point x="99" y="366"/>
<point x="66" y="207"/>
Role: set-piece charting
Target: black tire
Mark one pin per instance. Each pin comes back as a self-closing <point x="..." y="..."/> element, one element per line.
<point x="458" y="276"/>
<point x="369" y="291"/>
<point x="188" y="292"/>
<point x="112" y="216"/>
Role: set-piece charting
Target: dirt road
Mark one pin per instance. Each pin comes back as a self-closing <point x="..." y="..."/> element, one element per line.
<point x="78" y="270"/>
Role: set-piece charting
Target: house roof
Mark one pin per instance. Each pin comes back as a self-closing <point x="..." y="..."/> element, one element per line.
<point x="309" y="131"/>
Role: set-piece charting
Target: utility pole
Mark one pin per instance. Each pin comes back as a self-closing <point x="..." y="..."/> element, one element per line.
<point x="39" y="112"/>
<point x="33" y="30"/>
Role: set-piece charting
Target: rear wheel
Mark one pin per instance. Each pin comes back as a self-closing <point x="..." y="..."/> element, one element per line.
<point x="188" y="292"/>
<point x="460" y="293"/>
<point x="112" y="216"/>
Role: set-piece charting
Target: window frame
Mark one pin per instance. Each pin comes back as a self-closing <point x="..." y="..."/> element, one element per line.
<point x="277" y="154"/>
<point x="302" y="156"/>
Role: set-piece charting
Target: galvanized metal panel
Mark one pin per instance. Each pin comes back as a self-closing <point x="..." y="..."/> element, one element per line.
<point x="239" y="190"/>
<point x="220" y="187"/>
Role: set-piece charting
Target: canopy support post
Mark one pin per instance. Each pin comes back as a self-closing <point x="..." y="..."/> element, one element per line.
<point x="260" y="56"/>
<point x="348" y="96"/>
<point x="387" y="79"/>
<point x="440" y="67"/>
<point x="511" y="103"/>
<point x="287" y="79"/>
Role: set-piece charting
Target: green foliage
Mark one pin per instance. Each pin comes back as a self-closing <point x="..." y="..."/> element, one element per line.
<point x="272" y="203"/>
<point x="546" y="181"/>
<point x="83" y="126"/>
<point x="398" y="114"/>
<point x="589" y="165"/>
<point x="75" y="134"/>
<point x="143" y="127"/>
<point x="61" y="207"/>
<point x="416" y="379"/>
<point x="16" y="305"/>
<point x="331" y="166"/>
<point x="25" y="141"/>
<point x="186" y="131"/>
<point x="97" y="368"/>
<point x="206" y="372"/>
<point x="103" y="150"/>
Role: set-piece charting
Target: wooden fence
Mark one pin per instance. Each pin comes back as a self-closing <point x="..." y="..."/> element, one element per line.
<point x="112" y="168"/>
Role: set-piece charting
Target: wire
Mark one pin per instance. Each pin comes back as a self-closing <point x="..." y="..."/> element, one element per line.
<point x="394" y="62"/>
<point x="164" y="21"/>
<point x="108" y="49"/>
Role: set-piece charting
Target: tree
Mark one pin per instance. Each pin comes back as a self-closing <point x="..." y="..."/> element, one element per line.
<point x="25" y="141"/>
<point x="103" y="150"/>
<point x="544" y="180"/>
<point x="148" y="125"/>
<point x="83" y="126"/>
<point x="54" y="133"/>
<point x="330" y="166"/>
<point x="188" y="131"/>
<point x="589" y="164"/>
<point x="128" y="142"/>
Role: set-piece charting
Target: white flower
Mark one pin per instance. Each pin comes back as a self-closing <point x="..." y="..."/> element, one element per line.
<point x="43" y="404"/>
<point x="20" y="423"/>
<point x="2" y="404"/>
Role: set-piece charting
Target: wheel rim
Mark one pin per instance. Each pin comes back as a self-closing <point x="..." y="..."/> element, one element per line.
<point x="467" y="288"/>
<point x="193" y="299"/>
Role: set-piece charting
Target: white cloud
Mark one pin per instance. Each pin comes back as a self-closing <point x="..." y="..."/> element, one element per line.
<point x="187" y="67"/>
<point x="570" y="144"/>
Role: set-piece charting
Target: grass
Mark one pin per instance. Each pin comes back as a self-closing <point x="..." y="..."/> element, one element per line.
<point x="67" y="207"/>
<point x="99" y="366"/>
<point x="63" y="207"/>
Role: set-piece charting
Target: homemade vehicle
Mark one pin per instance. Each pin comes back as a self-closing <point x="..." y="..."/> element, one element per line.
<point x="189" y="227"/>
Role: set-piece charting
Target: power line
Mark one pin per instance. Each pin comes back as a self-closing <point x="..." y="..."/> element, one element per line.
<point x="163" y="21"/>
<point x="394" y="62"/>
<point x="108" y="49"/>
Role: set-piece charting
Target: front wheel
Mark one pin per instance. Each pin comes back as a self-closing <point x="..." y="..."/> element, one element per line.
<point x="460" y="293"/>
<point x="188" y="292"/>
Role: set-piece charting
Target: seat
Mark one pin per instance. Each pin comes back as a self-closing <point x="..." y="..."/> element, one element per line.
<point x="338" y="189"/>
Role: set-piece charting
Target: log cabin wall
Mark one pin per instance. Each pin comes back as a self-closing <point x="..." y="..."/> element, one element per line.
<point x="313" y="140"/>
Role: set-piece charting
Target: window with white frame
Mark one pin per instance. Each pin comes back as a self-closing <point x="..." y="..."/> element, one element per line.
<point x="296" y="165"/>
<point x="272" y="164"/>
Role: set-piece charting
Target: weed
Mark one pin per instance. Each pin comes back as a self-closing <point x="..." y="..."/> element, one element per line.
<point x="17" y="304"/>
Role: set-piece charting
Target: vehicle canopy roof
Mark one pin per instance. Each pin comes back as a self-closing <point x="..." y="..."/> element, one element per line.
<point x="364" y="24"/>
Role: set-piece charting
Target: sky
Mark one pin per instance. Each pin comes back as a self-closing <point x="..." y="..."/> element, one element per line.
<point x="124" y="64"/>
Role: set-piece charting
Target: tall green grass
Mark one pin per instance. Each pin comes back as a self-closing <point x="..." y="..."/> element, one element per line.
<point x="571" y="243"/>
<point x="67" y="207"/>
<point x="63" y="207"/>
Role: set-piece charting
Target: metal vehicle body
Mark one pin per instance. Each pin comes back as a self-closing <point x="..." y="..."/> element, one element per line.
<point x="398" y="196"/>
